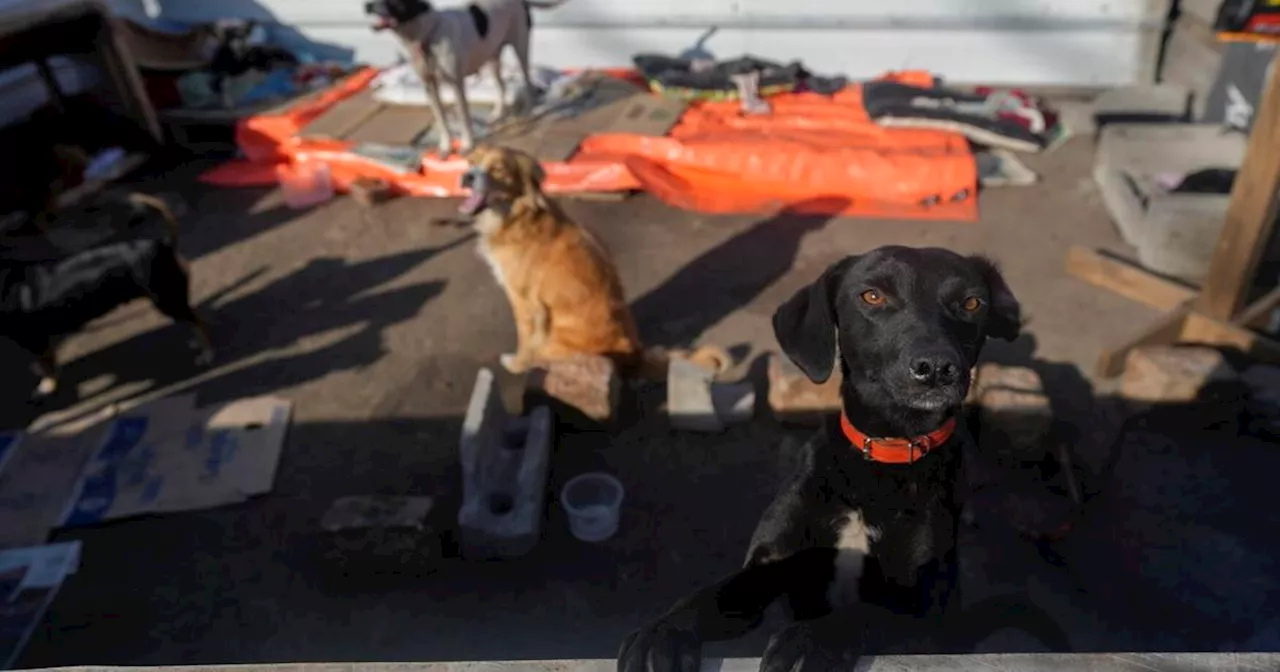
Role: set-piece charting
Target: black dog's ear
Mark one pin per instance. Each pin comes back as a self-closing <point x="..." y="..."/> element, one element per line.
<point x="805" y="325"/>
<point x="1005" y="320"/>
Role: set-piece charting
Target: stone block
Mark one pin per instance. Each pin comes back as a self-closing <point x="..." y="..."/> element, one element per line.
<point x="379" y="535"/>
<point x="504" y="475"/>
<point x="735" y="403"/>
<point x="1016" y="416"/>
<point x="589" y="384"/>
<point x="1172" y="374"/>
<point x="990" y="375"/>
<point x="370" y="191"/>
<point x="690" y="405"/>
<point x="1147" y="103"/>
<point x="792" y="396"/>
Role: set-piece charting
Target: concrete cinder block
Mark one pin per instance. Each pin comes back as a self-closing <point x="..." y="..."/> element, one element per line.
<point x="690" y="405"/>
<point x="1155" y="148"/>
<point x="792" y="396"/>
<point x="1193" y="57"/>
<point x="1169" y="229"/>
<point x="1205" y="11"/>
<point x="735" y="403"/>
<point x="1142" y="104"/>
<point x="1172" y="374"/>
<point x="504" y="475"/>
<point x="588" y="383"/>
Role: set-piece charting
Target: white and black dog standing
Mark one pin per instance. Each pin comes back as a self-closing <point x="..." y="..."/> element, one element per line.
<point x="447" y="46"/>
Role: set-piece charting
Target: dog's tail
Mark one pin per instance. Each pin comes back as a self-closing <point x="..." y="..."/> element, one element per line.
<point x="654" y="362"/>
<point x="166" y="213"/>
<point x="544" y="4"/>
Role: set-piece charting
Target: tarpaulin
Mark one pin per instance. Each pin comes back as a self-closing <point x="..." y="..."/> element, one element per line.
<point x="811" y="151"/>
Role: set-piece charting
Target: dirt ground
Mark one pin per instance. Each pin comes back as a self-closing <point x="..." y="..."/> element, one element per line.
<point x="374" y="324"/>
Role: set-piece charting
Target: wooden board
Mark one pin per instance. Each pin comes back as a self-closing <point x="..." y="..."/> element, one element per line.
<point x="1251" y="214"/>
<point x="1199" y="328"/>
<point x="1126" y="279"/>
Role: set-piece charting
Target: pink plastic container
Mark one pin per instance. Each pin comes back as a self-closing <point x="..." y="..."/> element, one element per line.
<point x="304" y="184"/>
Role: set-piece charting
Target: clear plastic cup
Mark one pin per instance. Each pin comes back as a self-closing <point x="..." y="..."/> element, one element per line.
<point x="305" y="183"/>
<point x="593" y="502"/>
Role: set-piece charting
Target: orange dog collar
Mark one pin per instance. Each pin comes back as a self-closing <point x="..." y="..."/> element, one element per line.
<point x="896" y="451"/>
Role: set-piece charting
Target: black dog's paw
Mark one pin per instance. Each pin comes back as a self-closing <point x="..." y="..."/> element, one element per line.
<point x="824" y="645"/>
<point x="660" y="647"/>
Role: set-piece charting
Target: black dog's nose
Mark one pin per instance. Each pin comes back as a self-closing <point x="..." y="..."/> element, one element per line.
<point x="369" y="8"/>
<point x="935" y="369"/>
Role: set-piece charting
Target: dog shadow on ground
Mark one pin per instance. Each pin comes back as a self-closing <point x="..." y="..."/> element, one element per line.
<point x="728" y="276"/>
<point x="1176" y="560"/>
<point x="318" y="320"/>
<point x="1162" y="522"/>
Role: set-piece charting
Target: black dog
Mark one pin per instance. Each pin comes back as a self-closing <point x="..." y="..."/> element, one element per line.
<point x="869" y="520"/>
<point x="41" y="300"/>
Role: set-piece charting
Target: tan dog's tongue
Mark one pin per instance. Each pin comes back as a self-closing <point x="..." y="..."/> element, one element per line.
<point x="471" y="204"/>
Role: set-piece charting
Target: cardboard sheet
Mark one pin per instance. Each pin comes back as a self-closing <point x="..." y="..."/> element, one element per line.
<point x="29" y="580"/>
<point x="39" y="474"/>
<point x="153" y="462"/>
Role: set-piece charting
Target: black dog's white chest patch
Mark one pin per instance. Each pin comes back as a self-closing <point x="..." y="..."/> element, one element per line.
<point x="853" y="543"/>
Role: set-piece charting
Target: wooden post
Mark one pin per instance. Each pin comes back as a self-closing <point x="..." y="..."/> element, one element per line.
<point x="1251" y="213"/>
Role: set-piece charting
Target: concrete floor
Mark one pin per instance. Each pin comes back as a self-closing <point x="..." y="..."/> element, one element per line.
<point x="374" y="323"/>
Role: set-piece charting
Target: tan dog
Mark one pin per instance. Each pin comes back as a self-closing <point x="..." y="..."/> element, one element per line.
<point x="562" y="285"/>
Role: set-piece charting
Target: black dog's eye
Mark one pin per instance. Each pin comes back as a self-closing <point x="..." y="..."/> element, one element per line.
<point x="971" y="304"/>
<point x="873" y="297"/>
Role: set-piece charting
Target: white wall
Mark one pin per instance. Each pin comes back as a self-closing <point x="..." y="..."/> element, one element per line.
<point x="1036" y="42"/>
<point x="1042" y="42"/>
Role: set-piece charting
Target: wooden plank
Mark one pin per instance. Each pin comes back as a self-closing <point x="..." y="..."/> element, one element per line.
<point x="1164" y="331"/>
<point x="1200" y="328"/>
<point x="1251" y="214"/>
<point x="1258" y="314"/>
<point x="1126" y="279"/>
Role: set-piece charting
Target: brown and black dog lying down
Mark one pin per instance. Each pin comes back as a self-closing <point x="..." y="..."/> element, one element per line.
<point x="561" y="282"/>
<point x="42" y="299"/>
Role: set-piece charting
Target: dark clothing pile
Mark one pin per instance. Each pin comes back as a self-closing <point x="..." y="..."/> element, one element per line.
<point x="699" y="80"/>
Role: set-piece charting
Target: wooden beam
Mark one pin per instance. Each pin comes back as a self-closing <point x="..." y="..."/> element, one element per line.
<point x="1126" y="279"/>
<point x="1164" y="331"/>
<point x="1200" y="328"/>
<point x="1251" y="213"/>
<point x="1258" y="314"/>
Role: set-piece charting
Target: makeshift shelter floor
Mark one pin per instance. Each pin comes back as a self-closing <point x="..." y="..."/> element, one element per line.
<point x="374" y="323"/>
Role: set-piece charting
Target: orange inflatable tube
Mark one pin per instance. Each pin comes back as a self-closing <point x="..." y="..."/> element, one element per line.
<point x="812" y="152"/>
